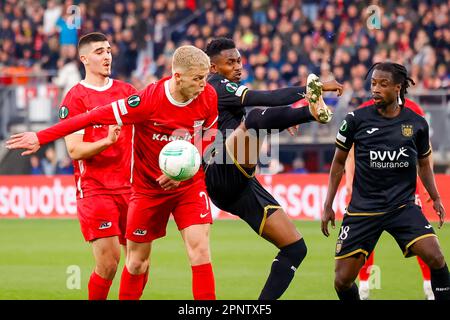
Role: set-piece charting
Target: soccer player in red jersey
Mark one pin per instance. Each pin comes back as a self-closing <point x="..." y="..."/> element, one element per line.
<point x="102" y="162"/>
<point x="364" y="274"/>
<point x="182" y="106"/>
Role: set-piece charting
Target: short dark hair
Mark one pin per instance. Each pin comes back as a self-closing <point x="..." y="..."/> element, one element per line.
<point x="216" y="46"/>
<point x="91" y="37"/>
<point x="399" y="75"/>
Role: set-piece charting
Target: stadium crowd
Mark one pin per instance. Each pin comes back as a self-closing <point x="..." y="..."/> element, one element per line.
<point x="281" y="41"/>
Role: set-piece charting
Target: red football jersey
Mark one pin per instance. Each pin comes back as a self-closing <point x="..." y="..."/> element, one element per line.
<point x="109" y="171"/>
<point x="158" y="119"/>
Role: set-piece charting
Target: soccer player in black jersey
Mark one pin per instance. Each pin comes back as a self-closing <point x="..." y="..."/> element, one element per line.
<point x="232" y="185"/>
<point x="392" y="146"/>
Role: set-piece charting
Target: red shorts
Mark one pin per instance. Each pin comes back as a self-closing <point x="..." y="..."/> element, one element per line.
<point x="148" y="214"/>
<point x="103" y="216"/>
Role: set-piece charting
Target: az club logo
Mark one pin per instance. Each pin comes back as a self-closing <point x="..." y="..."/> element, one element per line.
<point x="134" y="101"/>
<point x="105" y="225"/>
<point x="140" y="232"/>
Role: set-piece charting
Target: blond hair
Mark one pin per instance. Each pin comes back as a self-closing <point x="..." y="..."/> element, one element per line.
<point x="186" y="57"/>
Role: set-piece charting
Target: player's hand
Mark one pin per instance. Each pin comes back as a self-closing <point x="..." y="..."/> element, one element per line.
<point x="293" y="130"/>
<point x="113" y="133"/>
<point x="440" y="210"/>
<point x="333" y="85"/>
<point x="166" y="183"/>
<point x="327" y="216"/>
<point x="25" y="140"/>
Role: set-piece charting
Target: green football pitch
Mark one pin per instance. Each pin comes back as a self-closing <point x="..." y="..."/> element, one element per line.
<point x="47" y="259"/>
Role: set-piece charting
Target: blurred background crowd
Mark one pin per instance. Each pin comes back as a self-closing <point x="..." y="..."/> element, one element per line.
<point x="281" y="41"/>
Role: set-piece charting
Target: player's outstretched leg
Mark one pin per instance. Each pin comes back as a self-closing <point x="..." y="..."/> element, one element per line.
<point x="281" y="118"/>
<point x="281" y="231"/>
<point x="346" y="271"/>
<point x="364" y="274"/>
<point x="429" y="251"/>
<point x="319" y="110"/>
<point x="135" y="272"/>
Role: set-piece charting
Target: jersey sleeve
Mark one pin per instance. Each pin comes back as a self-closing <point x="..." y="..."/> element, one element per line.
<point x="345" y="135"/>
<point x="134" y="109"/>
<point x="213" y="114"/>
<point x="423" y="141"/>
<point x="71" y="107"/>
<point x="229" y="94"/>
<point x="210" y="126"/>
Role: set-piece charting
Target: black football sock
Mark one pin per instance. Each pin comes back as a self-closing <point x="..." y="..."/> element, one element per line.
<point x="283" y="269"/>
<point x="349" y="294"/>
<point x="440" y="282"/>
<point x="279" y="118"/>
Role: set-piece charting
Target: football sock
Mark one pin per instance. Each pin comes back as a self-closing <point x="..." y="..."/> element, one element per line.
<point x="283" y="269"/>
<point x="279" y="118"/>
<point x="440" y="282"/>
<point x="425" y="269"/>
<point x="349" y="294"/>
<point x="98" y="287"/>
<point x="364" y="273"/>
<point x="203" y="287"/>
<point x="131" y="286"/>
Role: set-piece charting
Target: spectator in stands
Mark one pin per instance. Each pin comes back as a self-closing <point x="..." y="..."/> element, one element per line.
<point x="298" y="166"/>
<point x="51" y="16"/>
<point x="68" y="34"/>
<point x="68" y="74"/>
<point x="35" y="165"/>
<point x="65" y="166"/>
<point x="49" y="163"/>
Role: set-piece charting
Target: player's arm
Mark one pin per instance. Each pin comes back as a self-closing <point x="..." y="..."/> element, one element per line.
<point x="334" y="179"/>
<point x="425" y="169"/>
<point x="121" y="112"/>
<point x="426" y="174"/>
<point x="79" y="149"/>
<point x="350" y="171"/>
<point x="344" y="143"/>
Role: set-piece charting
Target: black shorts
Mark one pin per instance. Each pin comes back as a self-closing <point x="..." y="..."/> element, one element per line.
<point x="236" y="190"/>
<point x="360" y="233"/>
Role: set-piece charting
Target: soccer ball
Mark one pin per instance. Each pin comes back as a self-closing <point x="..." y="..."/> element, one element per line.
<point x="179" y="160"/>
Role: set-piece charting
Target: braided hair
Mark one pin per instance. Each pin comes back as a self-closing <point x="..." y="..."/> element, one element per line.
<point x="399" y="75"/>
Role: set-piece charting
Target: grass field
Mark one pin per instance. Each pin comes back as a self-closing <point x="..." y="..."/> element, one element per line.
<point x="35" y="256"/>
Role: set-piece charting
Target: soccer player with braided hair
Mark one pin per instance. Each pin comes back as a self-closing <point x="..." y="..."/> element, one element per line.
<point x="391" y="145"/>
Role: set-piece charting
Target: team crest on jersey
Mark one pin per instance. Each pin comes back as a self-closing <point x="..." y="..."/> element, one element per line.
<point x="231" y="87"/>
<point x="63" y="112"/>
<point x="407" y="130"/>
<point x="134" y="101"/>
